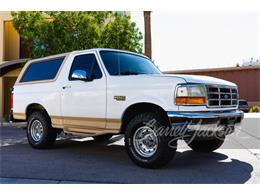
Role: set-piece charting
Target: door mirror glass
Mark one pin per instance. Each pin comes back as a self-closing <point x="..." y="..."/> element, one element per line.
<point x="80" y="75"/>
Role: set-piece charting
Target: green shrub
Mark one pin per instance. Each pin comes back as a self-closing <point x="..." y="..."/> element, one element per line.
<point x="254" y="108"/>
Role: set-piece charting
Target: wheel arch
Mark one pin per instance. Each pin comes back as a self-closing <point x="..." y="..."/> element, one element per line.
<point x="140" y="107"/>
<point x="34" y="107"/>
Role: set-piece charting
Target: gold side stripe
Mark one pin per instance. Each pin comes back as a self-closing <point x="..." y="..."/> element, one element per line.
<point x="21" y="116"/>
<point x="81" y="124"/>
<point x="113" y="124"/>
<point x="84" y="122"/>
<point x="77" y="118"/>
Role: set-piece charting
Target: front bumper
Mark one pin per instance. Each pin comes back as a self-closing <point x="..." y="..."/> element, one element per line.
<point x="206" y="121"/>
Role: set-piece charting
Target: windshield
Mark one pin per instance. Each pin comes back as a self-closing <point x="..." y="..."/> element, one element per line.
<point x="120" y="63"/>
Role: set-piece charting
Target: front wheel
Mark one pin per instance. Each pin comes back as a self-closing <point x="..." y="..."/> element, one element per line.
<point x="206" y="145"/>
<point x="146" y="146"/>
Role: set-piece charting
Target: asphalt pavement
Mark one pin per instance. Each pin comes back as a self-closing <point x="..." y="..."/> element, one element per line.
<point x="83" y="160"/>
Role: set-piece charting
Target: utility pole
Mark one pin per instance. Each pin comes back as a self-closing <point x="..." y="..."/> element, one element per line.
<point x="147" y="34"/>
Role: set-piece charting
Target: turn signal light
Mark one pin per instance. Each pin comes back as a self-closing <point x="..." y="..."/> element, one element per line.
<point x="191" y="100"/>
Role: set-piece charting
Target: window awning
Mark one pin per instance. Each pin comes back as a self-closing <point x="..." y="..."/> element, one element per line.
<point x="8" y="66"/>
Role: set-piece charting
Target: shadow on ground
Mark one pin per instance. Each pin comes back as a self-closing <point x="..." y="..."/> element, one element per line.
<point x="89" y="161"/>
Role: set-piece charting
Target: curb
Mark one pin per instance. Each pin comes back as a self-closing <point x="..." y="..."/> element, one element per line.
<point x="16" y="124"/>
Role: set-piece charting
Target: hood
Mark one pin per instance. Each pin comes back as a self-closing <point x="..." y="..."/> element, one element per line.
<point x="202" y="79"/>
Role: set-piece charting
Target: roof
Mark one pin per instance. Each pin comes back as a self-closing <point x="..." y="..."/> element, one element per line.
<point x="214" y="69"/>
<point x="8" y="66"/>
<point x="109" y="49"/>
<point x="83" y="51"/>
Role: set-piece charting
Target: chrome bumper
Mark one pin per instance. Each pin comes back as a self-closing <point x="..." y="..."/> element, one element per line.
<point x="206" y="115"/>
<point x="193" y="119"/>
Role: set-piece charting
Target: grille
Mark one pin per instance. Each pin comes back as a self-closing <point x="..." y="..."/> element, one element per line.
<point x="219" y="96"/>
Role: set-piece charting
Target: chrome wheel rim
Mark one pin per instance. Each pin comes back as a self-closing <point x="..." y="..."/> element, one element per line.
<point x="36" y="130"/>
<point x="145" y="141"/>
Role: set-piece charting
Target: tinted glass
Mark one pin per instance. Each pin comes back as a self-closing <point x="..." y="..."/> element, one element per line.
<point x="242" y="103"/>
<point x="120" y="63"/>
<point x="88" y="63"/>
<point x="42" y="70"/>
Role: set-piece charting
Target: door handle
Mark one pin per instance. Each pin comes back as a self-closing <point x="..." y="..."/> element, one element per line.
<point x="66" y="87"/>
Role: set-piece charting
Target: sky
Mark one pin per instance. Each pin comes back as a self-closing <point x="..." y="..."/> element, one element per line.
<point x="209" y="40"/>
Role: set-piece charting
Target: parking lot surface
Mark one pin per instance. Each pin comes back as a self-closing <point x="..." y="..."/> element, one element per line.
<point x="83" y="160"/>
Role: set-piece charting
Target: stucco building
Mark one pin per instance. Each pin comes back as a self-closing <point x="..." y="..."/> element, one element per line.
<point x="11" y="48"/>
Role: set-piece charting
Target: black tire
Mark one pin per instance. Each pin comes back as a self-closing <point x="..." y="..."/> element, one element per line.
<point x="48" y="133"/>
<point x="102" y="138"/>
<point x="206" y="145"/>
<point x="163" y="154"/>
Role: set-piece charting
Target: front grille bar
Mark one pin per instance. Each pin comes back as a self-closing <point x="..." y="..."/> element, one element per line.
<point x="221" y="96"/>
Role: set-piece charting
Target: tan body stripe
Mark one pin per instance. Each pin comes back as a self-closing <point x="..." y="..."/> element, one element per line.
<point x="86" y="125"/>
<point x="20" y="116"/>
<point x="81" y="124"/>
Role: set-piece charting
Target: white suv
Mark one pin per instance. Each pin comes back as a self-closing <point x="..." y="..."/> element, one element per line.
<point x="104" y="92"/>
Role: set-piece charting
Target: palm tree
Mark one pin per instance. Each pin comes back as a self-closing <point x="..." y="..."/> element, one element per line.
<point x="147" y="34"/>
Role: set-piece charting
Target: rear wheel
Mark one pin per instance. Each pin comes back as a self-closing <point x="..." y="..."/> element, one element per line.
<point x="39" y="132"/>
<point x="102" y="138"/>
<point x="145" y="145"/>
<point x="206" y="145"/>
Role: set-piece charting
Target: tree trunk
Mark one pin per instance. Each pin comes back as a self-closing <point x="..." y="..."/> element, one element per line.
<point x="147" y="34"/>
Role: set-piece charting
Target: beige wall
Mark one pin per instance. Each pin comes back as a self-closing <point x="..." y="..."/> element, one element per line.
<point x="4" y="16"/>
<point x="11" y="42"/>
<point x="9" y="39"/>
<point x="13" y="73"/>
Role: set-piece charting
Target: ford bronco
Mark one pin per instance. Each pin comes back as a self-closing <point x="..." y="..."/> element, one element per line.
<point x="105" y="92"/>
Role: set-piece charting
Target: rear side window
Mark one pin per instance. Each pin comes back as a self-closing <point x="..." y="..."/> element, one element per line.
<point x="88" y="63"/>
<point x="42" y="70"/>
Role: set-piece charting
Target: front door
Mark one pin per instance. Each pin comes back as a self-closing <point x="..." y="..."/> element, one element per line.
<point x="84" y="102"/>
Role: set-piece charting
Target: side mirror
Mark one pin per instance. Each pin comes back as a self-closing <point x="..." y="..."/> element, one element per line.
<point x="80" y="75"/>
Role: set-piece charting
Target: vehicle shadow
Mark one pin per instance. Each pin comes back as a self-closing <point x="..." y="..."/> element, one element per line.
<point x="212" y="167"/>
<point x="93" y="162"/>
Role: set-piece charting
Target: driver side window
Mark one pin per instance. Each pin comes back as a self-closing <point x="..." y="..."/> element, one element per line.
<point x="87" y="63"/>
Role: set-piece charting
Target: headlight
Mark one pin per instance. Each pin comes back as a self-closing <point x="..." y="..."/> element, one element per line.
<point x="190" y="95"/>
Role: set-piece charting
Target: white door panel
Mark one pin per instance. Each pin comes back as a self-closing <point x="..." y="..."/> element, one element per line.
<point x="85" y="99"/>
